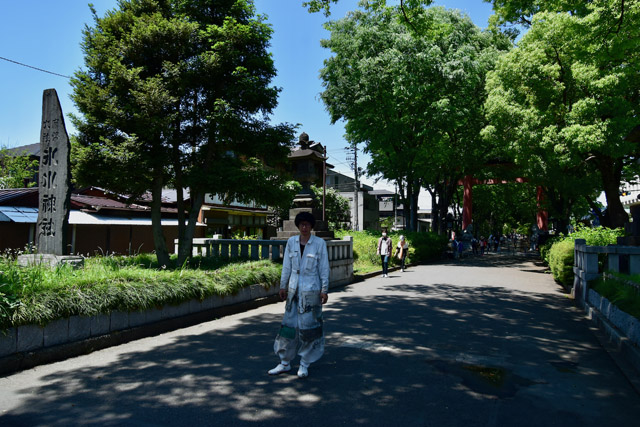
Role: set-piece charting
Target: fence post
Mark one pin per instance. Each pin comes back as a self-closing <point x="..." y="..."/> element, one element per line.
<point x="613" y="262"/>
<point x="244" y="250"/>
<point x="234" y="250"/>
<point x="579" y="270"/>
<point x="225" y="250"/>
<point x="634" y="264"/>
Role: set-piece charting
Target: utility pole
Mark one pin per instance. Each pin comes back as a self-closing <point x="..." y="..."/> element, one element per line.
<point x="395" y="205"/>
<point x="353" y="158"/>
<point x="324" y="185"/>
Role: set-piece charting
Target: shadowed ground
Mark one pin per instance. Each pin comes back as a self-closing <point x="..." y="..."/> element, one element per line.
<point x="485" y="342"/>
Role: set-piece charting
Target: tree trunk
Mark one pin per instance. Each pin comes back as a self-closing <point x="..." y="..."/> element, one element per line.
<point x="611" y="174"/>
<point x="185" y="244"/>
<point x="435" y="220"/>
<point x="413" y="215"/>
<point x="156" y="222"/>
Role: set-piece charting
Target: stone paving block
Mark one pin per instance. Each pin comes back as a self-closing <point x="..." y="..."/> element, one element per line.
<point x="119" y="321"/>
<point x="137" y="318"/>
<point x="210" y="302"/>
<point x="153" y="315"/>
<point x="79" y="328"/>
<point x="173" y="311"/>
<point x="30" y="337"/>
<point x="218" y="301"/>
<point x="56" y="332"/>
<point x="258" y="291"/>
<point x="196" y="306"/>
<point x="100" y="324"/>
<point x="243" y="295"/>
<point x="8" y="342"/>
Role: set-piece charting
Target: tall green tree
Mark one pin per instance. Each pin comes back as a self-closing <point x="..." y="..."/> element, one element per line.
<point x="413" y="99"/>
<point x="16" y="169"/>
<point x="568" y="96"/>
<point x="177" y="93"/>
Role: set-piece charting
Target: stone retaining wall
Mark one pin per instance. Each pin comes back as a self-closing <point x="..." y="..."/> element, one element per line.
<point x="30" y="338"/>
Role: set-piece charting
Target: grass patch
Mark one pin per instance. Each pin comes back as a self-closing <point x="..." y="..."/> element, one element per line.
<point x="617" y="289"/>
<point x="38" y="294"/>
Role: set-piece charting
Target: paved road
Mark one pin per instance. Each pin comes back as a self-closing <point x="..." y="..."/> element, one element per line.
<point x="488" y="343"/>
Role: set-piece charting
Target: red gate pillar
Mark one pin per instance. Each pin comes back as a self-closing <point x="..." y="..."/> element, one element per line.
<point x="467" y="201"/>
<point x="542" y="218"/>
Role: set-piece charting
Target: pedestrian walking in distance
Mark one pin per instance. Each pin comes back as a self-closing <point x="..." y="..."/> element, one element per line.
<point x="402" y="249"/>
<point x="304" y="284"/>
<point x="384" y="250"/>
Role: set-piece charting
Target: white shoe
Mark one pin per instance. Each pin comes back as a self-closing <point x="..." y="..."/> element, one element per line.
<point x="280" y="369"/>
<point x="303" y="371"/>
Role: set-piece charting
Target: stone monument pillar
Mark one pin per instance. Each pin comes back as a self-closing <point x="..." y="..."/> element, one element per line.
<point x="54" y="189"/>
<point x="55" y="178"/>
<point x="307" y="166"/>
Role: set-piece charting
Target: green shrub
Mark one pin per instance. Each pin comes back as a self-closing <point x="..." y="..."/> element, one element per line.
<point x="546" y="248"/>
<point x="620" y="293"/>
<point x="423" y="247"/>
<point x="561" y="261"/>
<point x="560" y="255"/>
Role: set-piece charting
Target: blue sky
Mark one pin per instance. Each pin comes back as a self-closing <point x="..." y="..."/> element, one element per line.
<point x="46" y="34"/>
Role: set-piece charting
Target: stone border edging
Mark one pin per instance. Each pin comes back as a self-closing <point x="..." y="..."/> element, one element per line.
<point x="621" y="330"/>
<point x="30" y="345"/>
<point x="26" y="346"/>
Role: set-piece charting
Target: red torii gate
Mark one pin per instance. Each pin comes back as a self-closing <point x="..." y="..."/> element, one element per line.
<point x="542" y="217"/>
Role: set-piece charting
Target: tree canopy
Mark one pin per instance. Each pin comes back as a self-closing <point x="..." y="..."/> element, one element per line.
<point x="565" y="99"/>
<point x="413" y="99"/>
<point x="16" y="169"/>
<point x="177" y="93"/>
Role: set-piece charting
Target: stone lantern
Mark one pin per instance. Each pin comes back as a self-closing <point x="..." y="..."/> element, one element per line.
<point x="307" y="167"/>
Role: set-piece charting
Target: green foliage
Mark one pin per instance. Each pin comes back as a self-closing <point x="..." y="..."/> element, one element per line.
<point x="423" y="247"/>
<point x="338" y="210"/>
<point x="414" y="99"/>
<point x="16" y="169"/>
<point x="38" y="295"/>
<point x="560" y="255"/>
<point x="562" y="102"/>
<point x="503" y="208"/>
<point x="561" y="261"/>
<point x="618" y="290"/>
<point x="176" y="94"/>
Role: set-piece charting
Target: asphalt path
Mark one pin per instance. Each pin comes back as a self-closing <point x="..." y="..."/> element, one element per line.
<point x="485" y="342"/>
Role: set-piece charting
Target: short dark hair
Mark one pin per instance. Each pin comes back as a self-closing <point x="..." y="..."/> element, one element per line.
<point x="305" y="216"/>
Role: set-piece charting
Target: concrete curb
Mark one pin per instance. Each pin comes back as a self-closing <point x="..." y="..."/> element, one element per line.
<point x="24" y="347"/>
<point x="621" y="349"/>
<point x="27" y="346"/>
<point x="27" y="354"/>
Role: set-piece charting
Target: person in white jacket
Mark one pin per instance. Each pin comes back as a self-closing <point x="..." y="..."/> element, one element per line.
<point x="304" y="284"/>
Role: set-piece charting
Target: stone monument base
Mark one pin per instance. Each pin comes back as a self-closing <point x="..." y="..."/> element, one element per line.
<point x="50" y="260"/>
<point x="289" y="229"/>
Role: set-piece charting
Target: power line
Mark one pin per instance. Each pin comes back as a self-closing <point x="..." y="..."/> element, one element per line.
<point x="35" y="68"/>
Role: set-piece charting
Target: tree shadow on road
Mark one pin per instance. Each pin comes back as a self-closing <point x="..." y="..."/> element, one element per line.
<point x="404" y="357"/>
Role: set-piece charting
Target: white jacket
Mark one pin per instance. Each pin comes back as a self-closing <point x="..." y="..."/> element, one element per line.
<point x="309" y="272"/>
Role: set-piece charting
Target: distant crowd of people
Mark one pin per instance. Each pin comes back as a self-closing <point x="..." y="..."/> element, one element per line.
<point x="493" y="243"/>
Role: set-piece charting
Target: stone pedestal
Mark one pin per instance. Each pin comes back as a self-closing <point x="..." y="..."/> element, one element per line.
<point x="321" y="229"/>
<point x="50" y="260"/>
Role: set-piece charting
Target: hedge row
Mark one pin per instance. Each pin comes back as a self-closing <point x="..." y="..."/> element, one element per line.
<point x="559" y="252"/>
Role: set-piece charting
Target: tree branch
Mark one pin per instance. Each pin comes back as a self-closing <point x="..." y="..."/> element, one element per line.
<point x="406" y="17"/>
<point x="621" y="17"/>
